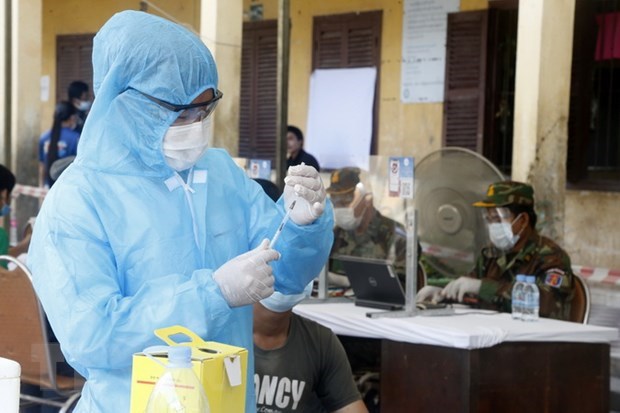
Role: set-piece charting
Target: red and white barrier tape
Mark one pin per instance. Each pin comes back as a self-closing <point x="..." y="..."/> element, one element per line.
<point x="33" y="191"/>
<point x="592" y="274"/>
<point x="599" y="275"/>
<point x="445" y="252"/>
<point x="22" y="190"/>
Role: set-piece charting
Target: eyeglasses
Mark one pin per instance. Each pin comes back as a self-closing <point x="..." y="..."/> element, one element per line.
<point x="194" y="112"/>
<point x="496" y="215"/>
<point x="342" y="200"/>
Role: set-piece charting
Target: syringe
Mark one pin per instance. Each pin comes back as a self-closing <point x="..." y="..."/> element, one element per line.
<point x="281" y="226"/>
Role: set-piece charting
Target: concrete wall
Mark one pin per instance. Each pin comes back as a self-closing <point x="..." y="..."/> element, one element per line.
<point x="221" y="29"/>
<point x="541" y="106"/>
<point x="592" y="228"/>
<point x="25" y="62"/>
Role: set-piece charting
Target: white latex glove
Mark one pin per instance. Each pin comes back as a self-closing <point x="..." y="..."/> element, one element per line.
<point x="339" y="280"/>
<point x="247" y="278"/>
<point x="429" y="293"/>
<point x="457" y="289"/>
<point x="304" y="185"/>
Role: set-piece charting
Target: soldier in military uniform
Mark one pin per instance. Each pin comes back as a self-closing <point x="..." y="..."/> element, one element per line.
<point x="360" y="229"/>
<point x="517" y="248"/>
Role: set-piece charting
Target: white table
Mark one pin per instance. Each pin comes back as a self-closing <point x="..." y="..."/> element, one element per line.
<point x="475" y="361"/>
<point x="467" y="329"/>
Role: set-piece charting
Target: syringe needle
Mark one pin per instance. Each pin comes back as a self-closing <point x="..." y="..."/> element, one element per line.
<point x="281" y="226"/>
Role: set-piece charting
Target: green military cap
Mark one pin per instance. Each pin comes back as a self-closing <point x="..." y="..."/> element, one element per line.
<point x="506" y="193"/>
<point x="344" y="180"/>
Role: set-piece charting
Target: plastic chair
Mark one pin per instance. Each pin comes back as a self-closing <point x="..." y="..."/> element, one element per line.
<point x="580" y="306"/>
<point x="24" y="339"/>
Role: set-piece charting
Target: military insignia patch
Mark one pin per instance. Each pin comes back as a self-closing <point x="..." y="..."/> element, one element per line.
<point x="554" y="277"/>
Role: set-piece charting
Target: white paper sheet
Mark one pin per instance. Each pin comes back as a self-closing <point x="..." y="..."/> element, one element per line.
<point x="424" y="49"/>
<point x="340" y="116"/>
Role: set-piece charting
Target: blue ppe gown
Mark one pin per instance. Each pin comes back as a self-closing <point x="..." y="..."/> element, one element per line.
<point x="123" y="246"/>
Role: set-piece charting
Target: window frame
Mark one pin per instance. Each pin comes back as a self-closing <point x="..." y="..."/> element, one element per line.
<point x="582" y="83"/>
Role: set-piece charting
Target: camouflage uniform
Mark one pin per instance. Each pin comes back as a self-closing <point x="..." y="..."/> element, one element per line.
<point x="540" y="257"/>
<point x="383" y="239"/>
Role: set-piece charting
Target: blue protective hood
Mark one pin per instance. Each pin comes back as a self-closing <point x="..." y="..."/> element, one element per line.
<point x="136" y="52"/>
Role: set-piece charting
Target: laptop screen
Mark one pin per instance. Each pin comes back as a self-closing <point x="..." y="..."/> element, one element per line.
<point x="374" y="282"/>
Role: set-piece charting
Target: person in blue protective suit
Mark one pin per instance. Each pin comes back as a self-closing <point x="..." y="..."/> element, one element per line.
<point x="150" y="227"/>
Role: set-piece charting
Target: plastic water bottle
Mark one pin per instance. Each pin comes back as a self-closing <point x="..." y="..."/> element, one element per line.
<point x="532" y="299"/>
<point x="517" y="297"/>
<point x="178" y="390"/>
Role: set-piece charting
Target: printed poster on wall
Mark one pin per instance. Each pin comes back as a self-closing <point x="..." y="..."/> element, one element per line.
<point x="400" y="177"/>
<point x="260" y="168"/>
<point x="424" y="49"/>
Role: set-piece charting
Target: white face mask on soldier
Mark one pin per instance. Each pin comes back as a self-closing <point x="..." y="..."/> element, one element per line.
<point x="345" y="218"/>
<point x="184" y="145"/>
<point x="501" y="235"/>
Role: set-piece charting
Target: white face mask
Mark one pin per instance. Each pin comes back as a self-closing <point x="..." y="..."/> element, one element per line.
<point x="84" y="105"/>
<point x="184" y="145"/>
<point x="279" y="303"/>
<point x="501" y="235"/>
<point x="345" y="218"/>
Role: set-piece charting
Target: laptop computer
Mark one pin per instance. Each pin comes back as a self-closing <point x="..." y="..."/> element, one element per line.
<point x="374" y="282"/>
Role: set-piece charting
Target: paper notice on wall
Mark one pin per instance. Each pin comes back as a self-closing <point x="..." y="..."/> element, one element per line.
<point x="45" y="88"/>
<point x="339" y="126"/>
<point x="400" y="177"/>
<point x="260" y="168"/>
<point x="424" y="49"/>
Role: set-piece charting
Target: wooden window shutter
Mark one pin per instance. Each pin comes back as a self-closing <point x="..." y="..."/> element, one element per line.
<point x="464" y="90"/>
<point x="258" y="110"/>
<point x="73" y="62"/>
<point x="584" y="44"/>
<point x="348" y="41"/>
<point x="329" y="47"/>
